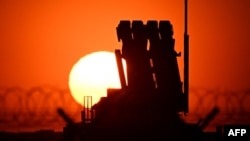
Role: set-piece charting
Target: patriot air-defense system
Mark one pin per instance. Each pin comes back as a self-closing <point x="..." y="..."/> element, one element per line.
<point x="152" y="95"/>
<point x="147" y="105"/>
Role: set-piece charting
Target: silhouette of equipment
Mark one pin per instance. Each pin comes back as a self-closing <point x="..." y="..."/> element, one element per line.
<point x="151" y="97"/>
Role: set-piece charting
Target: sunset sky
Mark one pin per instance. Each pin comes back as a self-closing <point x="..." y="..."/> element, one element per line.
<point x="41" y="40"/>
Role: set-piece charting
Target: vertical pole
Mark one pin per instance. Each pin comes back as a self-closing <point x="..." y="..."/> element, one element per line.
<point x="186" y="14"/>
<point x="91" y="110"/>
<point x="186" y="60"/>
<point x="120" y="68"/>
<point x="88" y="109"/>
<point x="83" y="111"/>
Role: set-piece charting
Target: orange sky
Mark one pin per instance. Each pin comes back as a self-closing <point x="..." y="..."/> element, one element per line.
<point x="41" y="40"/>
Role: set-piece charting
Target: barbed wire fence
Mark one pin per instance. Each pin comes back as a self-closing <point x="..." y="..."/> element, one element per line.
<point x="234" y="105"/>
<point x="36" y="108"/>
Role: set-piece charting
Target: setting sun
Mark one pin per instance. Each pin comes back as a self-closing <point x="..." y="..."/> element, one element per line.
<point x="92" y="75"/>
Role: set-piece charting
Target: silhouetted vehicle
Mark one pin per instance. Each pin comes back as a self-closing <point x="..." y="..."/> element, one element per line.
<point x="152" y="99"/>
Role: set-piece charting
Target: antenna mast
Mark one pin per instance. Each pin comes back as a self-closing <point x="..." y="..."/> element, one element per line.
<point x="186" y="59"/>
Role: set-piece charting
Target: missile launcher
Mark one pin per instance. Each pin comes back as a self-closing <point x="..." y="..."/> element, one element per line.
<point x="152" y="98"/>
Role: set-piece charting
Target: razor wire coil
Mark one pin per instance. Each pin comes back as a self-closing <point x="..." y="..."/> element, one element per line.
<point x="38" y="105"/>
